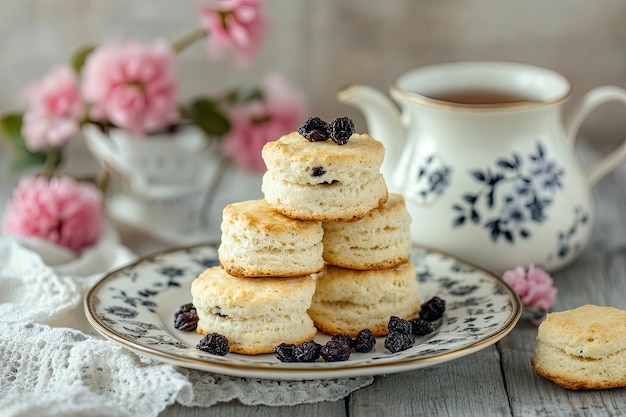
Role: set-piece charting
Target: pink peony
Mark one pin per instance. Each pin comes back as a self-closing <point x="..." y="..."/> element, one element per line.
<point x="236" y="24"/>
<point x="132" y="85"/>
<point x="534" y="287"/>
<point x="55" y="108"/>
<point x="255" y="123"/>
<point x="59" y="210"/>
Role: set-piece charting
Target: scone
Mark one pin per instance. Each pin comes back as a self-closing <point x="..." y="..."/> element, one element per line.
<point x="583" y="348"/>
<point x="379" y="240"/>
<point x="322" y="180"/>
<point x="254" y="314"/>
<point x="347" y="301"/>
<point x="258" y="241"/>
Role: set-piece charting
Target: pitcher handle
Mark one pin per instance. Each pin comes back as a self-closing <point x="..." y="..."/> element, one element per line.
<point x="103" y="149"/>
<point x="590" y="101"/>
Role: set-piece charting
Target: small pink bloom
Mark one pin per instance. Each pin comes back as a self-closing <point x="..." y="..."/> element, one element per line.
<point x="534" y="287"/>
<point x="260" y="121"/>
<point x="132" y="85"/>
<point x="54" y="112"/>
<point x="59" y="210"/>
<point x="234" y="24"/>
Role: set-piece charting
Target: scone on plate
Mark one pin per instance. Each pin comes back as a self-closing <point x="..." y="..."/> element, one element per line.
<point x="258" y="241"/>
<point x="583" y="348"/>
<point x="347" y="301"/>
<point x="254" y="314"/>
<point x="322" y="180"/>
<point x="379" y="240"/>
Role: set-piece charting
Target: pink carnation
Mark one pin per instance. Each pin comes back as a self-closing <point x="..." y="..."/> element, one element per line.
<point x="131" y="85"/>
<point x="255" y="123"/>
<point x="55" y="108"/>
<point x="234" y="24"/>
<point x="59" y="210"/>
<point x="535" y="288"/>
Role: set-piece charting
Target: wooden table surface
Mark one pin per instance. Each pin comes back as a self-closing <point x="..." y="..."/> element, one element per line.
<point x="499" y="380"/>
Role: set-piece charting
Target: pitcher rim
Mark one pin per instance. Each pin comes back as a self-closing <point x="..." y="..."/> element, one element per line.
<point x="442" y="104"/>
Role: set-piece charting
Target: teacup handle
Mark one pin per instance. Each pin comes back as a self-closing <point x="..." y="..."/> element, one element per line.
<point x="590" y="101"/>
<point x="103" y="149"/>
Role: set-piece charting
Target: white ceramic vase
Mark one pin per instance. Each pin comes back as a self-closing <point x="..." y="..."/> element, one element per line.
<point x="163" y="180"/>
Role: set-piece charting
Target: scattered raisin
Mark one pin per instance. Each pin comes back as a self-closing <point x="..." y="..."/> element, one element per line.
<point x="398" y="325"/>
<point x="343" y="338"/>
<point x="335" y="351"/>
<point x="364" y="341"/>
<point x="285" y="352"/>
<point x="318" y="171"/>
<point x="422" y="327"/>
<point x="186" y="318"/>
<point x="314" y="129"/>
<point x="396" y="342"/>
<point x="341" y="129"/>
<point x="433" y="309"/>
<point x="214" y="343"/>
<point x="307" y="352"/>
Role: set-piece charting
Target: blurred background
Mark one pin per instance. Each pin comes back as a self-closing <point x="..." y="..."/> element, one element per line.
<point x="322" y="45"/>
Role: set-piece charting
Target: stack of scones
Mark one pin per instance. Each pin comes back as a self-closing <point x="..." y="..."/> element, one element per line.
<point x="327" y="248"/>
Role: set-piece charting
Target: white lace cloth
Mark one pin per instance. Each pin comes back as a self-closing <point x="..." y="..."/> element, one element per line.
<point x="53" y="364"/>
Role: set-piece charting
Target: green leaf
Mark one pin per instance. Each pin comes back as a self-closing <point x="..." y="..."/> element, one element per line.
<point x="255" y="94"/>
<point x="11" y="127"/>
<point x="23" y="161"/>
<point x="209" y="117"/>
<point x="23" y="158"/>
<point x="80" y="56"/>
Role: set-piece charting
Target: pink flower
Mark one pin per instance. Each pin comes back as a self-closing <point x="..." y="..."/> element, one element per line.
<point x="132" y="85"/>
<point x="535" y="288"/>
<point x="236" y="24"/>
<point x="54" y="112"/>
<point x="255" y="123"/>
<point x="59" y="210"/>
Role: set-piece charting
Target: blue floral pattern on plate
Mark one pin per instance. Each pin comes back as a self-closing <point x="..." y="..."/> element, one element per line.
<point x="135" y="307"/>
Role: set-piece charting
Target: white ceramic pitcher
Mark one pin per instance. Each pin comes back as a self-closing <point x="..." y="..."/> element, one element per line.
<point x="492" y="180"/>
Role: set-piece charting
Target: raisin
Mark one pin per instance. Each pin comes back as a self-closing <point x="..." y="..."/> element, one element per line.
<point x="341" y="129"/>
<point x="214" y="343"/>
<point x="422" y="327"/>
<point x="364" y="341"/>
<point x="398" y="325"/>
<point x="318" y="171"/>
<point x="396" y="342"/>
<point x="335" y="351"/>
<point x="285" y="352"/>
<point x="433" y="309"/>
<point x="314" y="129"/>
<point x="186" y="318"/>
<point x="343" y="338"/>
<point x="307" y="352"/>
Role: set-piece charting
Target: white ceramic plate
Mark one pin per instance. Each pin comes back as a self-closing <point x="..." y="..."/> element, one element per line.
<point x="135" y="307"/>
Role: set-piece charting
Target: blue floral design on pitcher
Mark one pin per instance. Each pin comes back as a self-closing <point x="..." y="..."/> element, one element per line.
<point x="430" y="179"/>
<point x="514" y="194"/>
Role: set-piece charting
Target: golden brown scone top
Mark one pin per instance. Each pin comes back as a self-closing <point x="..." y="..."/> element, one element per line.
<point x="589" y="331"/>
<point x="258" y="215"/>
<point x="360" y="149"/>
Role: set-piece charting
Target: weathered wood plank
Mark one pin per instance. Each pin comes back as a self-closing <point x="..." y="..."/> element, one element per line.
<point x="236" y="409"/>
<point x="470" y="386"/>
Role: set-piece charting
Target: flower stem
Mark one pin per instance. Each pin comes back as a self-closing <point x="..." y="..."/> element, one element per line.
<point x="189" y="39"/>
<point x="53" y="158"/>
<point x="102" y="180"/>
